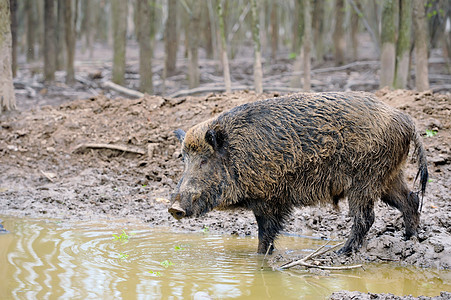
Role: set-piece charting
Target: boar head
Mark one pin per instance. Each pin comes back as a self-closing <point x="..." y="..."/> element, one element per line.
<point x="204" y="178"/>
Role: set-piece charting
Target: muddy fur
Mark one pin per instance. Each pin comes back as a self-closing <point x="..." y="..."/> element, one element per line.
<point x="273" y="155"/>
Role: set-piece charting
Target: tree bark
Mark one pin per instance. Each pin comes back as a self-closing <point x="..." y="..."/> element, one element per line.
<point x="318" y="29"/>
<point x="297" y="27"/>
<point x="7" y="96"/>
<point x="274" y="29"/>
<point x="119" y="14"/>
<point x="403" y="45"/>
<point x="421" y="46"/>
<point x="49" y="40"/>
<point x="388" y="52"/>
<point x="354" y="32"/>
<point x="225" y="59"/>
<point x="339" y="39"/>
<point x="145" y="48"/>
<point x="307" y="43"/>
<point x="193" y="44"/>
<point x="258" y="72"/>
<point x="13" y="9"/>
<point x="31" y="29"/>
<point x="69" y="27"/>
<point x="171" y="43"/>
<point x="60" y="40"/>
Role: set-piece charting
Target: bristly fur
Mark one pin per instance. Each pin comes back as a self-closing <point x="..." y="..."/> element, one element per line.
<point x="314" y="148"/>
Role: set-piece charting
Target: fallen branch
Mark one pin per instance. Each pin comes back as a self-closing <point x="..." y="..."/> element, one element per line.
<point x="122" y="90"/>
<point x="83" y="147"/>
<point x="234" y="88"/>
<point x="303" y="262"/>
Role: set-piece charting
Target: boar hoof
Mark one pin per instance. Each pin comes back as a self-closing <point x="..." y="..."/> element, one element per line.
<point x="176" y="211"/>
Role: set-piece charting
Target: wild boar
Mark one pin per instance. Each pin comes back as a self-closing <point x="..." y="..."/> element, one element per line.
<point x="273" y="155"/>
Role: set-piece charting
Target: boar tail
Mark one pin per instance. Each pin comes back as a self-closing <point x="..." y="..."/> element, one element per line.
<point x="422" y="173"/>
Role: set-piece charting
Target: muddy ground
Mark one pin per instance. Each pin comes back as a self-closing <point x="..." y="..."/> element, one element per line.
<point x="107" y="157"/>
<point x="57" y="161"/>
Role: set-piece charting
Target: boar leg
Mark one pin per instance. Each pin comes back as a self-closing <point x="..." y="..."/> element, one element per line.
<point x="361" y="208"/>
<point x="269" y="225"/>
<point x="407" y="202"/>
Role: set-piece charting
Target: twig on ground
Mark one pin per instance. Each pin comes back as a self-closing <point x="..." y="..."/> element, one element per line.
<point x="82" y="147"/>
<point x="303" y="262"/>
<point x="122" y="90"/>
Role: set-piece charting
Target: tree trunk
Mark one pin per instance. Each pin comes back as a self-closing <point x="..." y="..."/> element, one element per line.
<point x="49" y="40"/>
<point x="388" y="36"/>
<point x="307" y="43"/>
<point x="13" y="9"/>
<point x="145" y="47"/>
<point x="339" y="39"/>
<point x="354" y="32"/>
<point x="258" y="72"/>
<point x="171" y="44"/>
<point x="119" y="14"/>
<point x="31" y="29"/>
<point x="421" y="46"/>
<point x="298" y="27"/>
<point x="274" y="29"/>
<point x="69" y="26"/>
<point x="208" y="39"/>
<point x="7" y="97"/>
<point x="225" y="59"/>
<point x="60" y="36"/>
<point x="403" y="44"/>
<point x="193" y="44"/>
<point x="318" y="29"/>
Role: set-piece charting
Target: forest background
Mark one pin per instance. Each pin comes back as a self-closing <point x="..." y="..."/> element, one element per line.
<point x="164" y="47"/>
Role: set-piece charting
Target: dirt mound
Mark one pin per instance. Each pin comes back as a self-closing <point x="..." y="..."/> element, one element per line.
<point x="104" y="158"/>
<point x="345" y="295"/>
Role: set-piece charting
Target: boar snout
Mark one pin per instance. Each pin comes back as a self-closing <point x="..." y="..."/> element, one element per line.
<point x="177" y="211"/>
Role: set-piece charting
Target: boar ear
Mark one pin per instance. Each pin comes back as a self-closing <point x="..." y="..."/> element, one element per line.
<point x="215" y="139"/>
<point x="180" y="134"/>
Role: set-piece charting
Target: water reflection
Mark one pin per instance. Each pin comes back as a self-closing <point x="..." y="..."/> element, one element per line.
<point x="48" y="260"/>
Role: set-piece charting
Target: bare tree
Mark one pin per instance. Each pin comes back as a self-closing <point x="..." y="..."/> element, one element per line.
<point x="318" y="20"/>
<point x="388" y="37"/>
<point x="194" y="11"/>
<point x="145" y="22"/>
<point x="170" y="39"/>
<point x="354" y="32"/>
<point x="274" y="29"/>
<point x="421" y="47"/>
<point x="307" y="43"/>
<point x="31" y="28"/>
<point x="258" y="72"/>
<point x="403" y="44"/>
<point x="60" y="40"/>
<point x="225" y="59"/>
<point x="69" y="27"/>
<point x="13" y="8"/>
<point x="49" y="43"/>
<point x="119" y="18"/>
<point x="7" y="97"/>
<point x="339" y="38"/>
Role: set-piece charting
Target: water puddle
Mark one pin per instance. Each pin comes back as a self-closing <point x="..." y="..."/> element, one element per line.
<point x="103" y="260"/>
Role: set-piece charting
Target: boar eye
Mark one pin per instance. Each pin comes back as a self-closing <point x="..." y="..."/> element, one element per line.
<point x="203" y="162"/>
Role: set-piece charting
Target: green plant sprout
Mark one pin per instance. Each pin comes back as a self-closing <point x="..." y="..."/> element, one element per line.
<point x="123" y="256"/>
<point x="166" y="263"/>
<point x="430" y="133"/>
<point x="158" y="274"/>
<point x="179" y="247"/>
<point x="205" y="229"/>
<point x="123" y="237"/>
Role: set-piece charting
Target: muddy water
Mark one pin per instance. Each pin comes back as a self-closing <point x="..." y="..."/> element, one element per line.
<point x="58" y="260"/>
